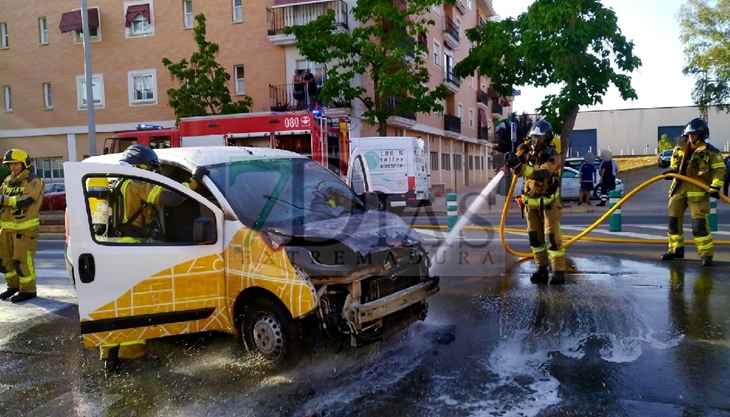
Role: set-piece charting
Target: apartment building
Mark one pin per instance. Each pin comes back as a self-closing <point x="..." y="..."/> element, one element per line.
<point x="44" y="106"/>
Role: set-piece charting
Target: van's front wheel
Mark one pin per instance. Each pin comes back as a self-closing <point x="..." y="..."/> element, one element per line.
<point x="269" y="333"/>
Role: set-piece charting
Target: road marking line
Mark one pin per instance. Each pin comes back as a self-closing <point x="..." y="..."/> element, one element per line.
<point x="597" y="230"/>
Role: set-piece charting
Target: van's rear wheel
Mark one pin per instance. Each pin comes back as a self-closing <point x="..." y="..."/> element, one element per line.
<point x="384" y="204"/>
<point x="269" y="333"/>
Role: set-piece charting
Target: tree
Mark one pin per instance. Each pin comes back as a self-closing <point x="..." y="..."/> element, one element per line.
<point x="384" y="49"/>
<point x="665" y="143"/>
<point x="203" y="83"/>
<point x="703" y="31"/>
<point x="576" y="44"/>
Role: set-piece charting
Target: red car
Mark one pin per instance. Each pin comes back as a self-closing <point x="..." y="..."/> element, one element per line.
<point x="54" y="197"/>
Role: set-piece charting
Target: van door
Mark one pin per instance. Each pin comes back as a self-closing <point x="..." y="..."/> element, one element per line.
<point x="134" y="289"/>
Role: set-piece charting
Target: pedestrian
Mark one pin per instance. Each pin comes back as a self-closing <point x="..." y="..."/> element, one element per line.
<point x="540" y="166"/>
<point x="606" y="173"/>
<point x="298" y="89"/>
<point x="21" y="196"/>
<point x="587" y="178"/>
<point x="140" y="202"/>
<point x="311" y="88"/>
<point x="693" y="157"/>
<point x="726" y="180"/>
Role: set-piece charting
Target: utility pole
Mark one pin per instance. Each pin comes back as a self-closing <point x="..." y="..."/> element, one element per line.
<point x="89" y="87"/>
<point x="703" y="104"/>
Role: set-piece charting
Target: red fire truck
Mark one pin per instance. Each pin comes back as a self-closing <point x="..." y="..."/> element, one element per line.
<point x="324" y="139"/>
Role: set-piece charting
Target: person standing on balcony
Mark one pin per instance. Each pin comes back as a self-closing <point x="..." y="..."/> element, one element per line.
<point x="311" y="88"/>
<point x="298" y="89"/>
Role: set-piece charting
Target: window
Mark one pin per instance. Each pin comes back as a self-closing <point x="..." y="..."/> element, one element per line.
<point x="94" y="27"/>
<point x="436" y="53"/>
<point x="460" y="112"/>
<point x="47" y="102"/>
<point x="7" y="93"/>
<point x="471" y="162"/>
<point x="468" y="4"/>
<point x="446" y="161"/>
<point x="97" y="87"/>
<point x="471" y="117"/>
<point x="457" y="162"/>
<point x="43" y="30"/>
<point x="434" y="161"/>
<point x="188" y="14"/>
<point x="237" y="11"/>
<point x="4" y="43"/>
<point x="143" y="87"/>
<point x="240" y="87"/>
<point x="138" y="19"/>
<point x="48" y="168"/>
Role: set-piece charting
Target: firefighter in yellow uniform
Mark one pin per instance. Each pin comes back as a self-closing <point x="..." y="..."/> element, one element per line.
<point x="141" y="202"/>
<point x="540" y="165"/>
<point x="695" y="158"/>
<point x="21" y="196"/>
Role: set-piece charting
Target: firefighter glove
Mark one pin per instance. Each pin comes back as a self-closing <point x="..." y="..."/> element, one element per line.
<point x="714" y="192"/>
<point x="671" y="171"/>
<point x="524" y="148"/>
<point x="511" y="160"/>
<point x="199" y="173"/>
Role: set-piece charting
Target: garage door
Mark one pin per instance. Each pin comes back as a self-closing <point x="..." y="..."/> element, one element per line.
<point x="582" y="141"/>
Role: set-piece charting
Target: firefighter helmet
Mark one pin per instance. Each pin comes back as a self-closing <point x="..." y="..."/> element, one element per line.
<point x="141" y="156"/>
<point x="17" y="155"/>
<point x="699" y="127"/>
<point x="541" y="130"/>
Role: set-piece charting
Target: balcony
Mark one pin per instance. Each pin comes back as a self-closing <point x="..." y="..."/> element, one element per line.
<point x="483" y="133"/>
<point x="451" y="33"/>
<point x="452" y="82"/>
<point x="400" y="119"/>
<point x="496" y="110"/>
<point x="452" y="124"/>
<point x="482" y="99"/>
<point x="299" y="15"/>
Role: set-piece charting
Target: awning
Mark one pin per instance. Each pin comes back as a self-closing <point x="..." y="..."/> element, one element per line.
<point x="491" y="93"/>
<point x="506" y="102"/>
<point x="284" y="3"/>
<point x="71" y="21"/>
<point x="134" y="11"/>
<point x="483" y="118"/>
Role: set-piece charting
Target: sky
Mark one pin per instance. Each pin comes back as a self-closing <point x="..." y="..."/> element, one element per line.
<point x="653" y="27"/>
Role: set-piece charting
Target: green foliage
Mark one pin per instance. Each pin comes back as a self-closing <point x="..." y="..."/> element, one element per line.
<point x="575" y="44"/>
<point x="704" y="33"/>
<point x="664" y="143"/>
<point x="384" y="49"/>
<point x="203" y="83"/>
<point x="4" y="172"/>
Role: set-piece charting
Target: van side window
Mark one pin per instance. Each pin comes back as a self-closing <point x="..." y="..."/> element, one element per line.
<point x="130" y="210"/>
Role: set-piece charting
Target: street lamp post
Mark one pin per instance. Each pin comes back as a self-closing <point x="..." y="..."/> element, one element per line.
<point x="87" y="72"/>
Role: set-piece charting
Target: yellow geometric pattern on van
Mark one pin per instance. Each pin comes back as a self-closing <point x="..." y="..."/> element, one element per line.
<point x="248" y="261"/>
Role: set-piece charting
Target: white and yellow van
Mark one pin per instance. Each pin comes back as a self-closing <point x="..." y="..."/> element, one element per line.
<point x="256" y="252"/>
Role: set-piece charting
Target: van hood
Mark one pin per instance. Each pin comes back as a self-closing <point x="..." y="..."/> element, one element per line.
<point x="369" y="232"/>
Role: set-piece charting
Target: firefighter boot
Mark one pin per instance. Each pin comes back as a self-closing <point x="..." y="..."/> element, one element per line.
<point x="540" y="276"/>
<point x="707" y="261"/>
<point x="558" y="278"/>
<point x="677" y="254"/>
<point x="8" y="293"/>
<point x="22" y="296"/>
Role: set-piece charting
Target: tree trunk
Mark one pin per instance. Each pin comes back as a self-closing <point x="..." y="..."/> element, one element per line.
<point x="383" y="127"/>
<point x="568" y="126"/>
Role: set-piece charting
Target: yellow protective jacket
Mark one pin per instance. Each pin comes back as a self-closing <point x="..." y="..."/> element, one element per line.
<point x="541" y="172"/>
<point x="705" y="164"/>
<point x="22" y="199"/>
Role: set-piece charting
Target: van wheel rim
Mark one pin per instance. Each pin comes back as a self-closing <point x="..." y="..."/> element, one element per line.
<point x="267" y="336"/>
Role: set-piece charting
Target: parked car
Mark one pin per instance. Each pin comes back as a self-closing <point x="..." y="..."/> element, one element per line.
<point x="571" y="185"/>
<point x="575" y="163"/>
<point x="664" y="158"/>
<point x="54" y="197"/>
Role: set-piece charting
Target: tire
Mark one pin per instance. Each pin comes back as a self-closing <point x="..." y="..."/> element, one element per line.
<point x="396" y="210"/>
<point x="269" y="334"/>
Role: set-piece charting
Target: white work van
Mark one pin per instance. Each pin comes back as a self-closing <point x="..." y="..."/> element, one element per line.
<point x="398" y="169"/>
<point x="257" y="250"/>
